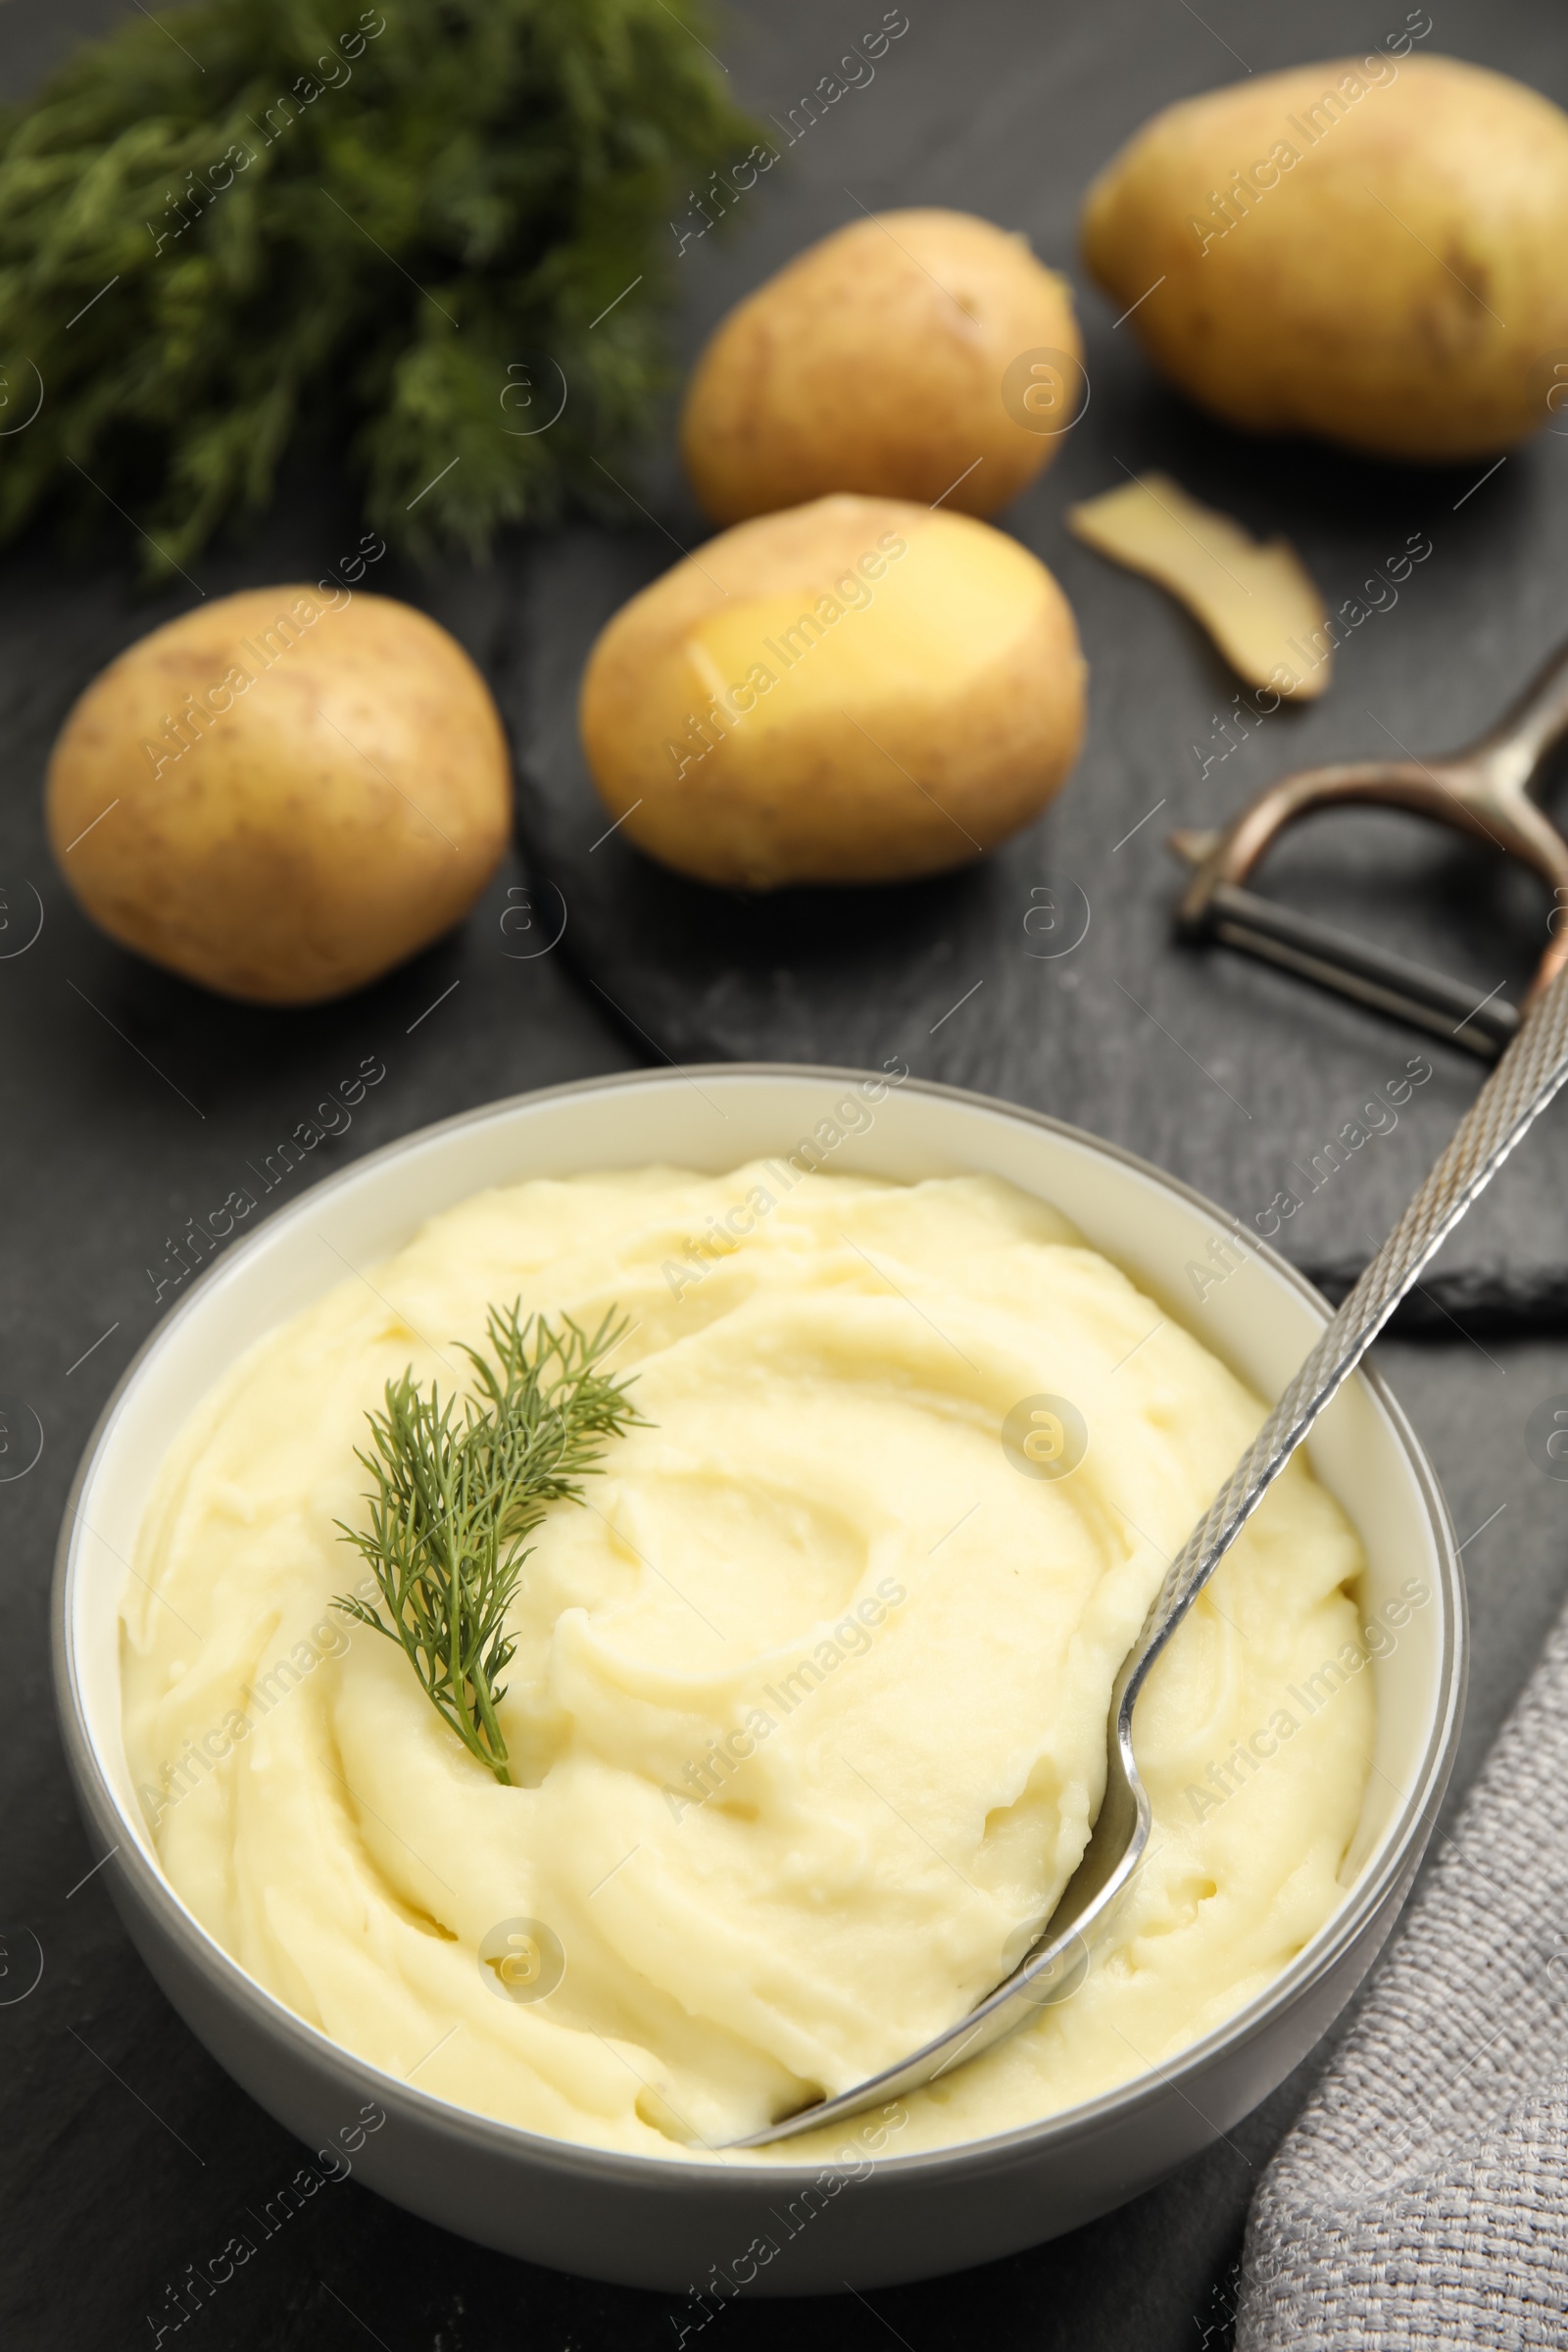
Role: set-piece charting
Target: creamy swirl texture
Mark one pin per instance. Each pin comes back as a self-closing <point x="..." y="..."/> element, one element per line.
<point x="807" y="1707"/>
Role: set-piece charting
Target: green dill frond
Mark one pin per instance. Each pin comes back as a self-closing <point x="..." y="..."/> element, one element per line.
<point x="459" y="1490"/>
<point x="260" y="223"/>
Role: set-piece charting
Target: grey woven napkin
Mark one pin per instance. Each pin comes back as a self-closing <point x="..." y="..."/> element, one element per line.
<point x="1422" y="2197"/>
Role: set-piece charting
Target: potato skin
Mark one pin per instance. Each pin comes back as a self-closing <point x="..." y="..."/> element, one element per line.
<point x="873" y="361"/>
<point x="871" y="766"/>
<point x="1395" y="289"/>
<point x="325" y="820"/>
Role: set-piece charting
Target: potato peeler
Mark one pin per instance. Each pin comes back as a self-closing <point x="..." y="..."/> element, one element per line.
<point x="1491" y="790"/>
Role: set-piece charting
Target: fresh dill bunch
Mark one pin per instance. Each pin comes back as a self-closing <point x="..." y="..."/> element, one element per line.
<point x="457" y="1491"/>
<point x="254" y="225"/>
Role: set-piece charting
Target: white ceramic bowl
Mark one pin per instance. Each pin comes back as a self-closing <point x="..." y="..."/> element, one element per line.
<point x="670" y="2223"/>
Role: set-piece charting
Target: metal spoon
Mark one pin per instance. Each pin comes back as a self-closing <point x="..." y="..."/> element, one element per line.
<point x="1525" y="1080"/>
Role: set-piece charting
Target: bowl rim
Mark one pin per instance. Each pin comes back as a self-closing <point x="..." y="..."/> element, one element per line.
<point x="491" y="2137"/>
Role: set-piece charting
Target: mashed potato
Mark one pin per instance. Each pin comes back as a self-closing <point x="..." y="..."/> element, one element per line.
<point x="807" y="1716"/>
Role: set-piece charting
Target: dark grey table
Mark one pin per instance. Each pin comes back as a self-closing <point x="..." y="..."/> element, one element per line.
<point x="125" y="1099"/>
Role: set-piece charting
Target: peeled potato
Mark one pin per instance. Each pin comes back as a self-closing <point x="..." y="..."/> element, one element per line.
<point x="282" y="794"/>
<point x="1368" y="250"/>
<point x="858" y="690"/>
<point x="920" y="355"/>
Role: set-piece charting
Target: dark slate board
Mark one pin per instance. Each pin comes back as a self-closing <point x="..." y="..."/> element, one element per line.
<point x="1228" y="1074"/>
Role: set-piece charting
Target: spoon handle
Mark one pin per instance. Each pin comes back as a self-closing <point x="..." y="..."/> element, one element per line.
<point x="1525" y="1080"/>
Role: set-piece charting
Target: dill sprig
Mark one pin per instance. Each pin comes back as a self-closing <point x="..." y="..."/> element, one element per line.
<point x="235" y="233"/>
<point x="458" y="1490"/>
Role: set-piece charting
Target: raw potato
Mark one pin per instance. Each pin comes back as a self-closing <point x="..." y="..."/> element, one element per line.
<point x="855" y="691"/>
<point x="878" y="361"/>
<point x="1255" y="601"/>
<point x="1388" y="272"/>
<point x="282" y="794"/>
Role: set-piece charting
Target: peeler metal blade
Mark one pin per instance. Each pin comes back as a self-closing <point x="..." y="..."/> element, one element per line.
<point x="1373" y="976"/>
